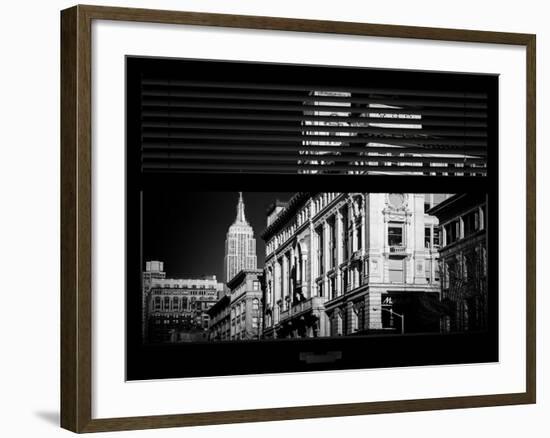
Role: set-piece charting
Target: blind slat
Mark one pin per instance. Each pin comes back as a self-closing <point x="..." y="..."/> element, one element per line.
<point x="319" y="139"/>
<point x="274" y="158"/>
<point x="261" y="147"/>
<point x="242" y="167"/>
<point x="169" y="115"/>
<point x="173" y="103"/>
<point x="321" y="100"/>
<point x="308" y="88"/>
<point x="411" y="130"/>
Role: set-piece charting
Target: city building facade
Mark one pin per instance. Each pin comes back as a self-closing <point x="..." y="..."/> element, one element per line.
<point x="175" y="309"/>
<point x="240" y="245"/>
<point x="463" y="257"/>
<point x="238" y="315"/>
<point x="351" y="263"/>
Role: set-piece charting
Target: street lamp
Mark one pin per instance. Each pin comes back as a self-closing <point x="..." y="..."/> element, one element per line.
<point x="400" y="315"/>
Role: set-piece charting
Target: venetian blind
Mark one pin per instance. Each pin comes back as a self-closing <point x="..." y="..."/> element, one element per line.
<point x="281" y="128"/>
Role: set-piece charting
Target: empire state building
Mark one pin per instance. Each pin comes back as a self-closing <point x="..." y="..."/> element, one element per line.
<point x="240" y="245"/>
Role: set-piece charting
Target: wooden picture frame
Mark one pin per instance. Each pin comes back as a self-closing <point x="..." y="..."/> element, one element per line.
<point x="76" y="218"/>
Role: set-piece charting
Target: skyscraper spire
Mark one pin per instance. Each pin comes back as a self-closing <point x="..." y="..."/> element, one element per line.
<point x="240" y="245"/>
<point x="240" y="210"/>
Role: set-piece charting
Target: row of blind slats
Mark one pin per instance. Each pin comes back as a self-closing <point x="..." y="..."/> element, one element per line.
<point x="194" y="126"/>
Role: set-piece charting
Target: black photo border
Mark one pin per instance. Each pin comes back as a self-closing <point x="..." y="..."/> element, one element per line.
<point x="199" y="359"/>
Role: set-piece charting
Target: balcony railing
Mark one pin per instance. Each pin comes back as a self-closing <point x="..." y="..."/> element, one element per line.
<point x="309" y="304"/>
<point x="398" y="249"/>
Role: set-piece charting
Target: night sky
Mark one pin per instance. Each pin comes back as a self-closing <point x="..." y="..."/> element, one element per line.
<point x="186" y="230"/>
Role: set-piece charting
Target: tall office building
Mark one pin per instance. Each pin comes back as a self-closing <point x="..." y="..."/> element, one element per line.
<point x="240" y="245"/>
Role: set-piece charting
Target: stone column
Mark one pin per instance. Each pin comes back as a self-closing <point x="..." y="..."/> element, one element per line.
<point x="284" y="281"/>
<point x="326" y="256"/>
<point x="364" y="227"/>
<point x="373" y="310"/>
<point x="418" y="264"/>
<point x="313" y="260"/>
<point x="338" y="244"/>
<point x="306" y="285"/>
<point x="351" y="319"/>
<point x="276" y="290"/>
<point x="481" y="218"/>
<point x="292" y="267"/>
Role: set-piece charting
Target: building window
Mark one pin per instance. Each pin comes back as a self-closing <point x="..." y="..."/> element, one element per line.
<point x="255" y="285"/>
<point x="175" y="303"/>
<point x="255" y="304"/>
<point x="395" y="234"/>
<point x="320" y="242"/>
<point x="436" y="238"/>
<point x="428" y="270"/>
<point x="452" y="230"/>
<point x="427" y="237"/>
<point x="157" y="303"/>
<point x="345" y="237"/>
<point x="345" y="281"/>
<point x="471" y="222"/>
<point x="396" y="270"/>
<point x="332" y="244"/>
<point x="337" y="326"/>
<point x="332" y="287"/>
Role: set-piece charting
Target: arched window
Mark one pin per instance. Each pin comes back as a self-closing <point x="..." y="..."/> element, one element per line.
<point x="355" y="311"/>
<point x="337" y="325"/>
<point x="299" y="264"/>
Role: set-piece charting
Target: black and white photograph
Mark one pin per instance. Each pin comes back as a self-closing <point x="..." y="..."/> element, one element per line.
<point x="308" y="265"/>
<point x="305" y="214"/>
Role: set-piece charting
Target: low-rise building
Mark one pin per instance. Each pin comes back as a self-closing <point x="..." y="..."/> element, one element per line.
<point x="176" y="308"/>
<point x="238" y="315"/>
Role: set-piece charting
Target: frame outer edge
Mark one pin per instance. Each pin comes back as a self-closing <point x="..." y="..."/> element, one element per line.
<point x="69" y="332"/>
<point x="531" y="216"/>
<point x="76" y="223"/>
<point x="76" y="250"/>
<point x="303" y="25"/>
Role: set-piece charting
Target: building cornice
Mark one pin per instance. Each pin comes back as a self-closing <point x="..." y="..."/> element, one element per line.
<point x="297" y="201"/>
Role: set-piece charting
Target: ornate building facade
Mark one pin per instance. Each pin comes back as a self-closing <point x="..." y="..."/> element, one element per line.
<point x="463" y="256"/>
<point x="175" y="310"/>
<point x="240" y="245"/>
<point x="343" y="264"/>
<point x="238" y="315"/>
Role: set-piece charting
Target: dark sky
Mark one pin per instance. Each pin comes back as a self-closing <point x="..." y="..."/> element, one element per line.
<point x="186" y="230"/>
